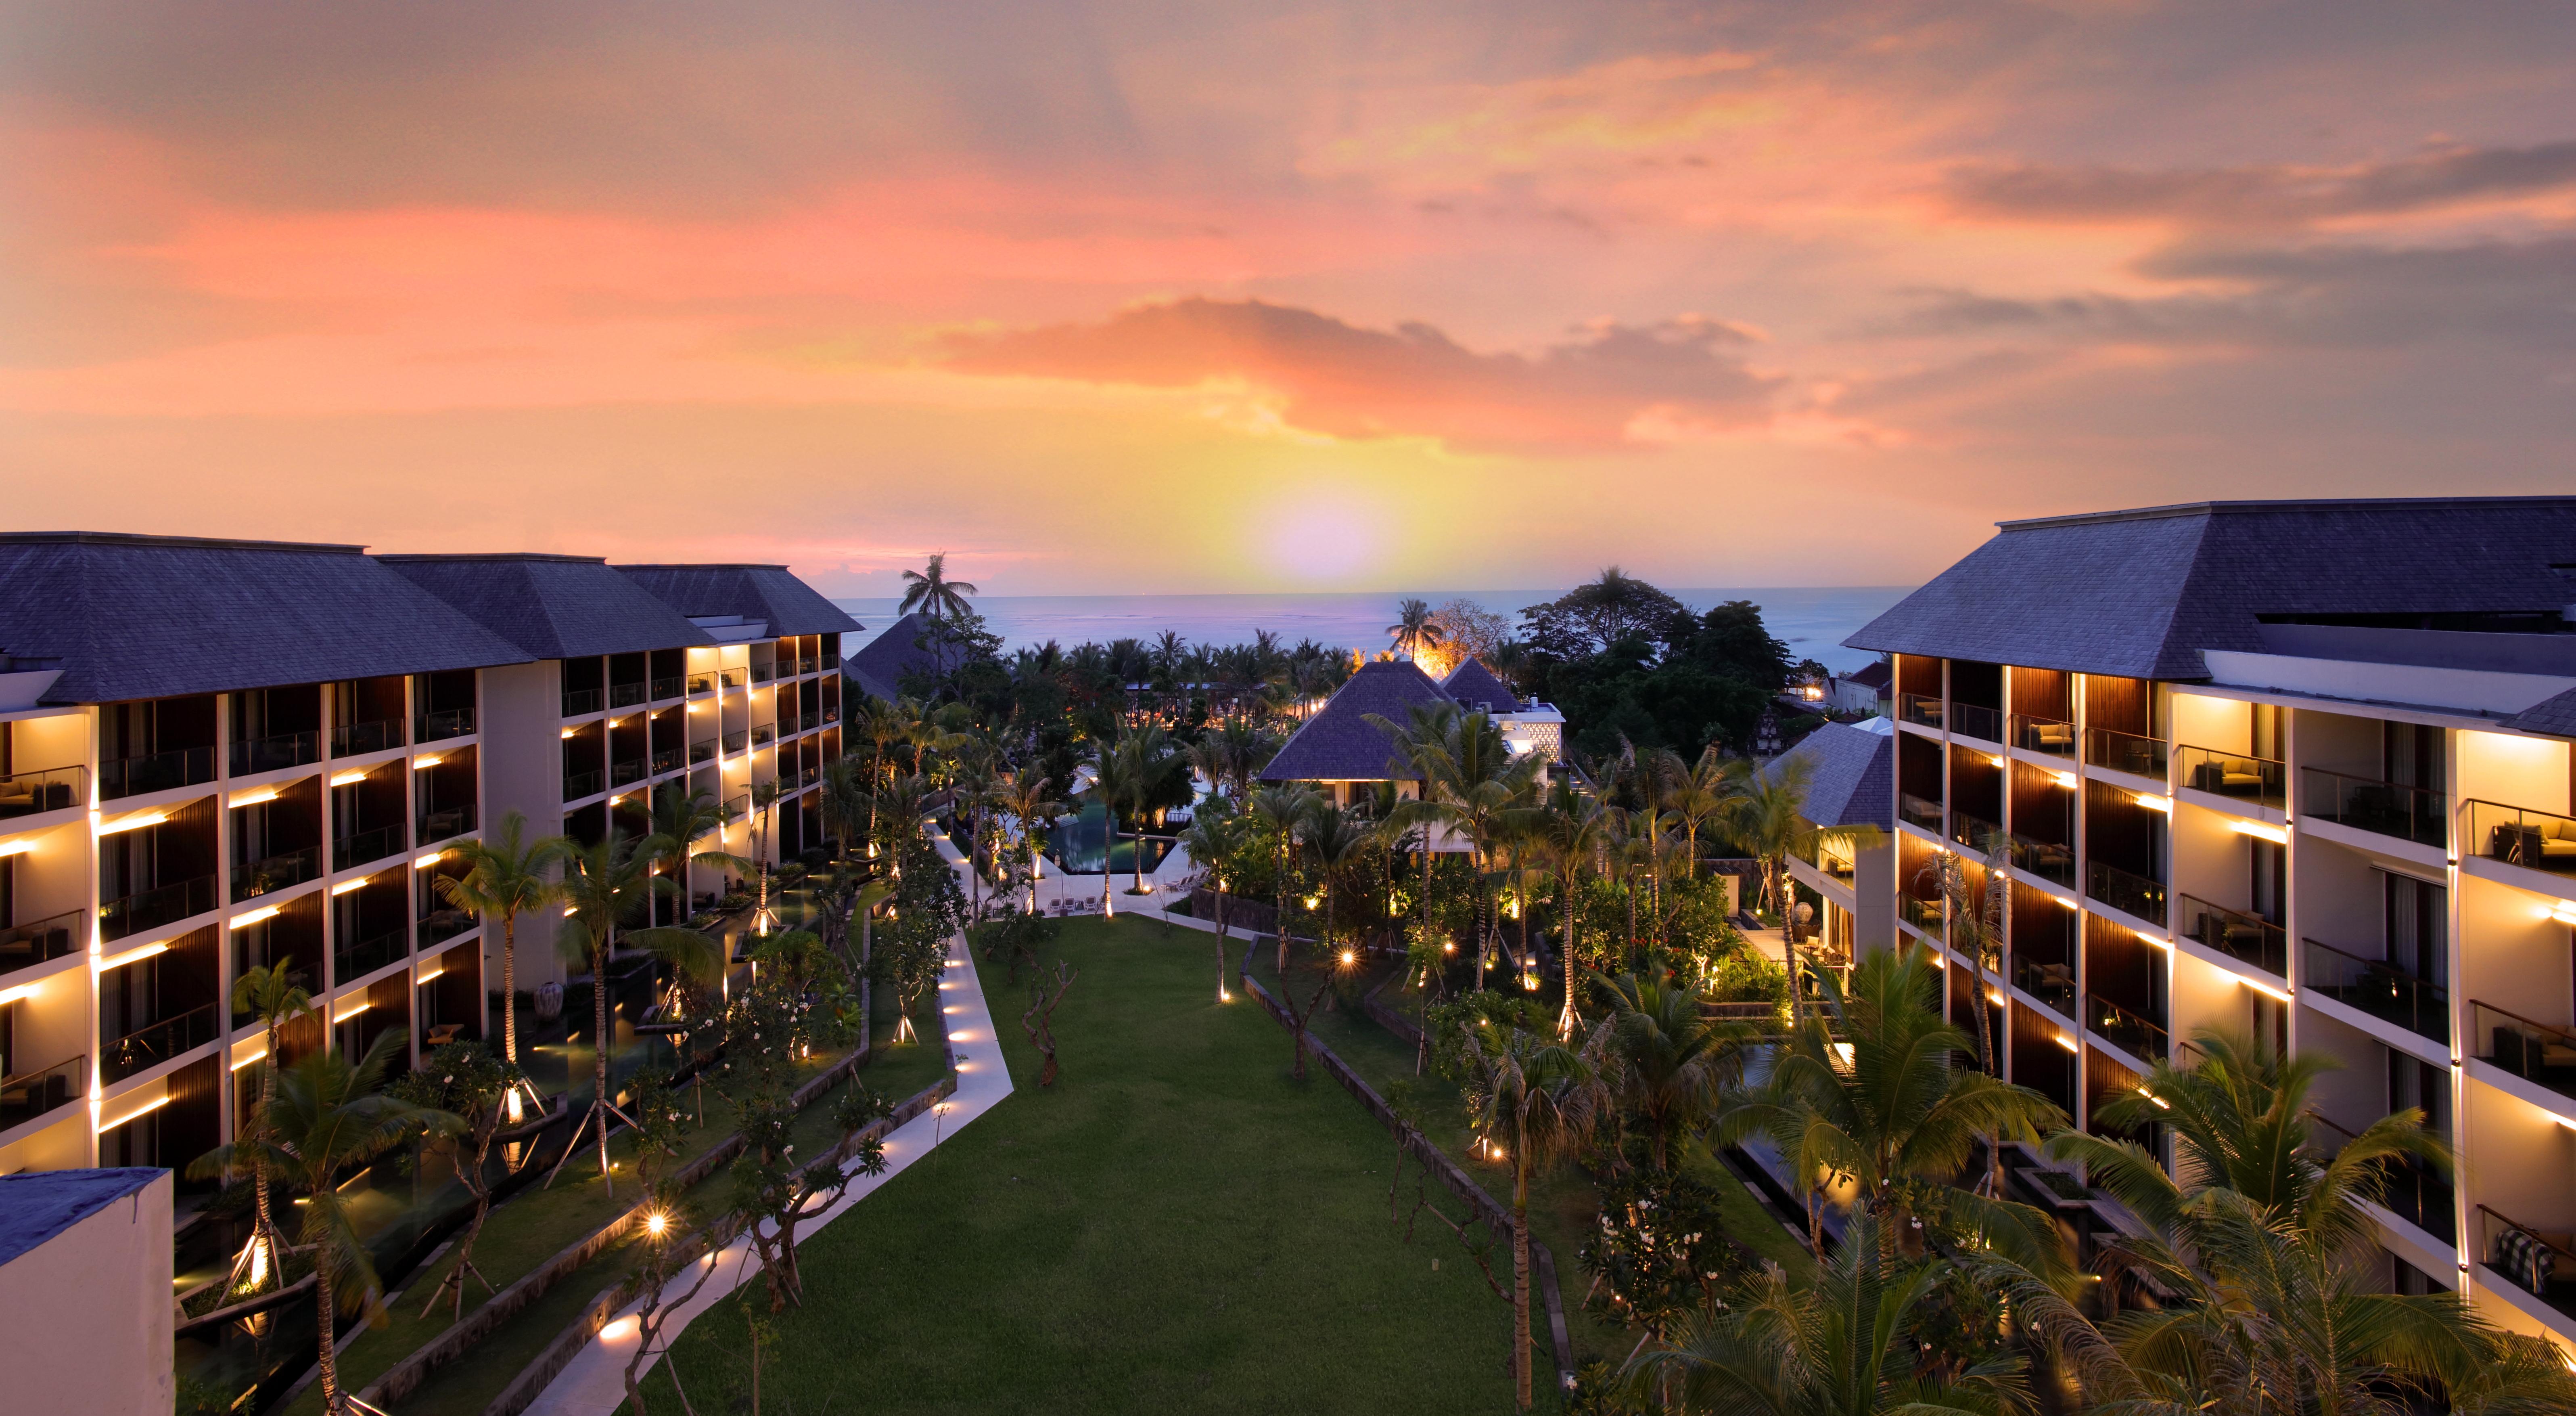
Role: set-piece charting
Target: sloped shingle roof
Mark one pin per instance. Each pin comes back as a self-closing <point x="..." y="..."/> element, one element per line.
<point x="1852" y="773"/>
<point x="1472" y="683"/>
<point x="155" y="616"/>
<point x="2141" y="593"/>
<point x="755" y="592"/>
<point x="2554" y="716"/>
<point x="554" y="607"/>
<point x="1340" y="744"/>
<point x="878" y="667"/>
<point x="35" y="1207"/>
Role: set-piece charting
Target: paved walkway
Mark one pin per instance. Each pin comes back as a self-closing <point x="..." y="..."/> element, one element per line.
<point x="595" y="1383"/>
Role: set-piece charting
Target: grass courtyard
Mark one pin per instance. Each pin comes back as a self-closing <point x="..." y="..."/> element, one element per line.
<point x="1174" y="1226"/>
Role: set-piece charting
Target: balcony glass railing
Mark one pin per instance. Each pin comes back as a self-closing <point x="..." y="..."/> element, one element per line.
<point x="29" y="1095"/>
<point x="2033" y="733"/>
<point x="445" y="822"/>
<point x="1977" y="721"/>
<point x="809" y="720"/>
<point x="737" y="740"/>
<point x="580" y="701"/>
<point x="52" y="789"/>
<point x="831" y="661"/>
<point x="2138" y="1035"/>
<point x="276" y="752"/>
<point x="577" y="785"/>
<point x="666" y="760"/>
<point x="150" y="909"/>
<point x="763" y="673"/>
<point x="40" y="941"/>
<point x="1924" y="915"/>
<point x="731" y="678"/>
<point x="1972" y="832"/>
<point x="2125" y="752"/>
<point x="2537" y="1052"/>
<point x="2409" y="1189"/>
<point x="1922" y="708"/>
<point x="2368" y="804"/>
<point x="625" y="695"/>
<point x="164" y="1041"/>
<point x="737" y="808"/>
<point x="351" y="851"/>
<point x="630" y="770"/>
<point x="2126" y="891"/>
<point x="155" y="772"/>
<point x="670" y="687"/>
<point x="2248" y="938"/>
<point x="364" y="957"/>
<point x="2530" y="1259"/>
<point x="832" y="713"/>
<point x="350" y="739"/>
<point x="2050" y="981"/>
<point x="443" y="922"/>
<point x="702" y="752"/>
<point x="2233" y="774"/>
<point x="2534" y="840"/>
<point x="1919" y="811"/>
<point x="701" y="683"/>
<point x="2377" y="988"/>
<point x="2049" y="860"/>
<point x="276" y="872"/>
<point x="439" y="726"/>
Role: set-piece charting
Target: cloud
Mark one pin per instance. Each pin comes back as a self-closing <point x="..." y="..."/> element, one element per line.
<point x="2269" y="194"/>
<point x="1330" y="376"/>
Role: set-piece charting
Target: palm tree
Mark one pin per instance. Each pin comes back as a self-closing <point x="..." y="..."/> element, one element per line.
<point x="1470" y="782"/>
<point x="1215" y="833"/>
<point x="326" y="1115"/>
<point x="505" y="879"/>
<point x="1416" y="628"/>
<point x="1578" y="831"/>
<point x="275" y="996"/>
<point x="1138" y="769"/>
<point x="1281" y="810"/>
<point x="1024" y="796"/>
<point x="681" y="819"/>
<point x="847" y="803"/>
<point x="607" y="885"/>
<point x="764" y="802"/>
<point x="930" y="591"/>
<point x="1699" y="792"/>
<point x="1671" y="1065"/>
<point x="882" y="724"/>
<point x="1767" y="812"/>
<point x="1535" y="1103"/>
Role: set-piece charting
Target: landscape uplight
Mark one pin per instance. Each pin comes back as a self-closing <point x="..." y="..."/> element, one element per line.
<point x="657" y="1223"/>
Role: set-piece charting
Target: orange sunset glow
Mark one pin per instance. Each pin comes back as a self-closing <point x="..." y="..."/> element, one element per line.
<point x="1249" y="297"/>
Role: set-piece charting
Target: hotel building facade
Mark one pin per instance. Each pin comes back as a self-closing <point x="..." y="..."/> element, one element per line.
<point x="2297" y="770"/>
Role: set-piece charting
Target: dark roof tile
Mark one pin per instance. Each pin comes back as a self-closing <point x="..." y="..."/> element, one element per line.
<point x="755" y="592"/>
<point x="1339" y="744"/>
<point x="879" y="668"/>
<point x="1852" y="773"/>
<point x="554" y="607"/>
<point x="1472" y="683"/>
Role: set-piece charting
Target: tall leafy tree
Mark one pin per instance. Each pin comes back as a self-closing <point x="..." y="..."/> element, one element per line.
<point x="1537" y="1102"/>
<point x="930" y="591"/>
<point x="1671" y="1065"/>
<point x="275" y="996"/>
<point x="1766" y="811"/>
<point x="681" y="819"/>
<point x="1471" y="783"/>
<point x="1417" y="629"/>
<point x="504" y="880"/>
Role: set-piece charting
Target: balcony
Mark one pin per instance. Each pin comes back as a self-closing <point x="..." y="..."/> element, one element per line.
<point x="2131" y="894"/>
<point x="1924" y="915"/>
<point x="436" y="727"/>
<point x="350" y="852"/>
<point x="1919" y="811"/>
<point x="2406" y="1189"/>
<point x="2539" y="1263"/>
<point x="1972" y="833"/>
<point x="2534" y="840"/>
<point x="351" y="739"/>
<point x="2139" y="1036"/>
<point x="29" y="1095"/>
<point x="2048" y="860"/>
<point x="671" y="687"/>
<point x="155" y="772"/>
<point x="2535" y="1052"/>
<point x="2051" y="983"/>
<point x="763" y="673"/>
<point x="666" y="760"/>
<point x="831" y="661"/>
<point x="736" y="808"/>
<point x="2233" y="774"/>
<point x="276" y="872"/>
<point x="445" y="822"/>
<point x="164" y="1041"/>
<point x="2244" y="937"/>
<point x="762" y="734"/>
<point x="150" y="909"/>
<point x="443" y="922"/>
<point x="577" y="785"/>
<point x="578" y="702"/>
<point x="806" y="664"/>
<point x="368" y="955"/>
<point x="737" y="740"/>
<point x="701" y="683"/>
<point x="276" y="752"/>
<point x="2033" y="733"/>
<point x="809" y="720"/>
<point x="625" y="695"/>
<point x="1923" y="709"/>
<point x="702" y="752"/>
<point x="2373" y="987"/>
<point x="2125" y="752"/>
<point x="732" y="678"/>
<point x="627" y="771"/>
<point x="2368" y="804"/>
<point x="832" y="713"/>
<point x="1976" y="721"/>
<point x="53" y="789"/>
<point x="41" y="941"/>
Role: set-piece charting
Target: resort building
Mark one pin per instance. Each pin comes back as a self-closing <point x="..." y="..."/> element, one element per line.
<point x="2298" y="770"/>
<point x="1851" y="774"/>
<point x="879" y="669"/>
<point x="1342" y="752"/>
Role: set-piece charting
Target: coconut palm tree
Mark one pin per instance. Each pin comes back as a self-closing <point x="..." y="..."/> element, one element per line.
<point x="883" y="725"/>
<point x="504" y="880"/>
<point x="1699" y="792"/>
<point x="326" y="1115"/>
<point x="1767" y="812"/>
<point x="1214" y="834"/>
<point x="1417" y="627"/>
<point x="847" y="803"/>
<point x="1670" y="1064"/>
<point x="1535" y="1103"/>
<point x="1024" y="796"/>
<point x="276" y="996"/>
<point x="930" y="591"/>
<point x="1281" y="811"/>
<point x="1578" y="830"/>
<point x="681" y="819"/>
<point x="608" y="885"/>
<point x="1471" y="783"/>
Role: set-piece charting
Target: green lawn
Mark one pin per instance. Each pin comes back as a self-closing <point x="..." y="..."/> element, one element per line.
<point x="1175" y="1226"/>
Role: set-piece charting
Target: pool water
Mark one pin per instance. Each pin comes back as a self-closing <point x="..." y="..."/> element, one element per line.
<point x="1074" y="846"/>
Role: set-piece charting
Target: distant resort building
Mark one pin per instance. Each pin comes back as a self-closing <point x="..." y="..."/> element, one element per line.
<point x="1340" y="750"/>
<point x="1851" y="781"/>
<point x="878" y="670"/>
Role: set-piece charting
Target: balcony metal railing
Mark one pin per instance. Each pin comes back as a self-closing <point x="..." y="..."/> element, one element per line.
<point x="2377" y="988"/>
<point x="276" y="872"/>
<point x="1977" y="721"/>
<point x="580" y="701"/>
<point x="365" y="956"/>
<point x="666" y="760"/>
<point x="831" y="661"/>
<point x="276" y="752"/>
<point x="441" y="725"/>
<point x="736" y="741"/>
<point x="1919" y="811"/>
<point x="2535" y="1051"/>
<point x="443" y="922"/>
<point x="351" y="851"/>
<point x="445" y="822"/>
<point x="701" y="683"/>
<point x="625" y="695"/>
<point x="2048" y="860"/>
<point x="628" y="770"/>
<point x="2050" y="981"/>
<point x="40" y="941"/>
<point x="809" y="720"/>
<point x="150" y="909"/>
<point x="2246" y="937"/>
<point x="702" y="751"/>
<point x="671" y="686"/>
<point x="577" y="785"/>
<point x="29" y="1095"/>
<point x="48" y="789"/>
<point x="2528" y="1259"/>
<point x="806" y="664"/>
<point x="2517" y="835"/>
<point x="2140" y="1036"/>
<point x="2052" y="736"/>
<point x="155" y="772"/>
<point x="763" y="673"/>
<point x="351" y="739"/>
<point x="2368" y="804"/>
<point x="147" y="1048"/>
<point x="2126" y="891"/>
<point x="1921" y="708"/>
<point x="2125" y="752"/>
<point x="2234" y="774"/>
<point x="2409" y="1189"/>
<point x="731" y="678"/>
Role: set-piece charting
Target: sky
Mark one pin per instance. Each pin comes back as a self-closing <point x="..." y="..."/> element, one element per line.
<point x="1160" y="298"/>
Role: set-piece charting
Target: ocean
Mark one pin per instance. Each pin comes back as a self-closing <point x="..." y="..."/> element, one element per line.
<point x="1813" y="619"/>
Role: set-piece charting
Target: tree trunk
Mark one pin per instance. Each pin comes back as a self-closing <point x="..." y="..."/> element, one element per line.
<point x="599" y="1054"/>
<point x="1476" y="860"/>
<point x="1788" y="952"/>
<point x="324" y="1312"/>
<point x="1521" y="1279"/>
<point x="509" y="989"/>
